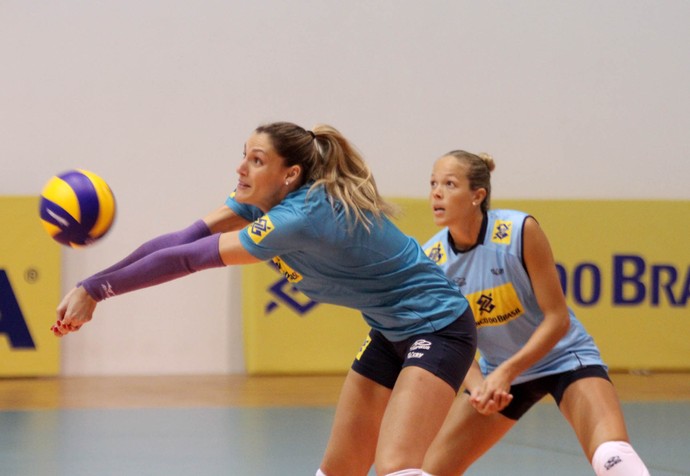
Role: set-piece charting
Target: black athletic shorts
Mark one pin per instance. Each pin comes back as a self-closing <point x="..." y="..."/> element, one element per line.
<point x="525" y="395"/>
<point x="446" y="353"/>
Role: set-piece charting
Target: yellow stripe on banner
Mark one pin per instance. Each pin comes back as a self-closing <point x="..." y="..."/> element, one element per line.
<point x="30" y="290"/>
<point x="106" y="202"/>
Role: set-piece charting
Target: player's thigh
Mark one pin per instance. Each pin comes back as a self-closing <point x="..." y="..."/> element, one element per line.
<point x="352" y="444"/>
<point x="419" y="403"/>
<point x="464" y="437"/>
<point x="592" y="408"/>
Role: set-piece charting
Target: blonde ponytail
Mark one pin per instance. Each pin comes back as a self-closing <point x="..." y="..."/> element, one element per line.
<point x="347" y="178"/>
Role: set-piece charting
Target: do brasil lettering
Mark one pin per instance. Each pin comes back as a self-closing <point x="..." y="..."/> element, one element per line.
<point x="634" y="282"/>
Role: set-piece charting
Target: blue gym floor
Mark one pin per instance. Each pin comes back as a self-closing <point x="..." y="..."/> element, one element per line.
<point x="286" y="441"/>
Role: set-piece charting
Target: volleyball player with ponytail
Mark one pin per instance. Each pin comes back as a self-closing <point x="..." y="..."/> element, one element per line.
<point x="530" y="341"/>
<point x="307" y="201"/>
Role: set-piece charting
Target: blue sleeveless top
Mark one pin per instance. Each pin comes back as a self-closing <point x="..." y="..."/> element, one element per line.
<point x="492" y="276"/>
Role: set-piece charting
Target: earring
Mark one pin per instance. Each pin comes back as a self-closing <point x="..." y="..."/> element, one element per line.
<point x="474" y="204"/>
<point x="287" y="182"/>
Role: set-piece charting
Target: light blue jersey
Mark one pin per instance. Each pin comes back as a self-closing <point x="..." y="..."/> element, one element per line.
<point x="383" y="273"/>
<point x="492" y="276"/>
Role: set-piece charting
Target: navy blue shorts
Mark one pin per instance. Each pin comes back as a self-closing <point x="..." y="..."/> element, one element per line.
<point x="525" y="395"/>
<point x="447" y="353"/>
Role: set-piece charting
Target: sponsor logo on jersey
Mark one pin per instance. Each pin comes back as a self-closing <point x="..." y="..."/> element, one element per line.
<point x="437" y="253"/>
<point x="290" y="274"/>
<point x="260" y="229"/>
<point x="496" y="306"/>
<point x="501" y="232"/>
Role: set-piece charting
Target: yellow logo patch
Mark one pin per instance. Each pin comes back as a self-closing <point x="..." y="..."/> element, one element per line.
<point x="502" y="231"/>
<point x="495" y="307"/>
<point x="364" y="346"/>
<point x="436" y="253"/>
<point x="290" y="274"/>
<point x="259" y="229"/>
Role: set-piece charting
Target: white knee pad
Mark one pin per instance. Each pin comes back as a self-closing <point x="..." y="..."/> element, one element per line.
<point x="406" y="472"/>
<point x="617" y="458"/>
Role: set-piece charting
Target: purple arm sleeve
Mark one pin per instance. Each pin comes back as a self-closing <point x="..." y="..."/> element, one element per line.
<point x="195" y="231"/>
<point x="155" y="268"/>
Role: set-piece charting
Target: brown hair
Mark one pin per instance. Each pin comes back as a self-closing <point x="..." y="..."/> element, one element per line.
<point x="328" y="159"/>
<point x="479" y="168"/>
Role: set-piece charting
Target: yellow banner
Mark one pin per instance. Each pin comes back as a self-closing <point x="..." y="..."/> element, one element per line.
<point x="624" y="266"/>
<point x="29" y="291"/>
<point x="625" y="269"/>
<point x="286" y="332"/>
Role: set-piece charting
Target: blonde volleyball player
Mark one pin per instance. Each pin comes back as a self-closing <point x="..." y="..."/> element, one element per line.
<point x="307" y="200"/>
<point x="530" y="342"/>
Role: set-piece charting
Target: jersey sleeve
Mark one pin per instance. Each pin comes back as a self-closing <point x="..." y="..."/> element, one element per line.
<point x="280" y="231"/>
<point x="248" y="212"/>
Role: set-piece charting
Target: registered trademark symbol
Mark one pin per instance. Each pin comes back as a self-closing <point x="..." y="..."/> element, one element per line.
<point x="31" y="275"/>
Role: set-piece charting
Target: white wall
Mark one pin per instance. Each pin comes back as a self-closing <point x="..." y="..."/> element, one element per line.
<point x="584" y="99"/>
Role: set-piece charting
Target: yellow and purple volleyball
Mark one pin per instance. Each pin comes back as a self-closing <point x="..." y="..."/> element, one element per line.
<point x="77" y="208"/>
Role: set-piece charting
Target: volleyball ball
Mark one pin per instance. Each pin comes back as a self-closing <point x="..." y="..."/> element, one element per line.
<point x="77" y="208"/>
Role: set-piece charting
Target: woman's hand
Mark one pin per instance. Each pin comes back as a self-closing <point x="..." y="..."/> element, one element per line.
<point x="493" y="395"/>
<point x="75" y="310"/>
